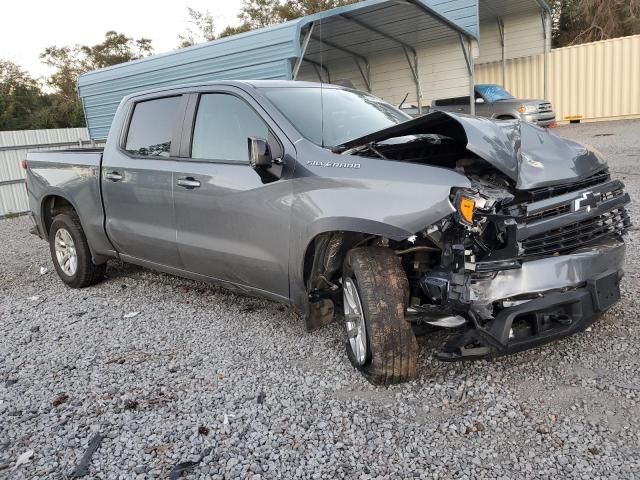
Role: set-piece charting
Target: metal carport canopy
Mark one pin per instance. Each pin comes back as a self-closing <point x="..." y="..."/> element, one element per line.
<point x="374" y="26"/>
<point x="356" y="32"/>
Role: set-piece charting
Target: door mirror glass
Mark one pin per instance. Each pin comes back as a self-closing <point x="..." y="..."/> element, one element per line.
<point x="260" y="156"/>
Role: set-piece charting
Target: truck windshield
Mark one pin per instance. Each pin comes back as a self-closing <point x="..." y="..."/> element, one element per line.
<point x="331" y="116"/>
<point x="493" y="93"/>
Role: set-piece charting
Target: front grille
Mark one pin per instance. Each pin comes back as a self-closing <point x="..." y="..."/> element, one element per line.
<point x="551" y="212"/>
<point x="576" y="235"/>
<point x="555" y="190"/>
<point x="545" y="107"/>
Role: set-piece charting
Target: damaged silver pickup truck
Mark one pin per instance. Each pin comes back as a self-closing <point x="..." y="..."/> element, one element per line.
<point x="325" y="197"/>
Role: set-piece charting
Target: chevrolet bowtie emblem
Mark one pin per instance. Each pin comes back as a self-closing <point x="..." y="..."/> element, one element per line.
<point x="588" y="201"/>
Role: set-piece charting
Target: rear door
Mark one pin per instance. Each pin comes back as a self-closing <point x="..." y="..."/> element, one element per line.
<point x="137" y="182"/>
<point x="456" y="105"/>
<point x="483" y="107"/>
<point x="232" y="226"/>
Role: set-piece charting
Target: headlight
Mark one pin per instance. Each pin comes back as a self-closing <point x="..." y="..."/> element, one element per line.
<point x="466" y="202"/>
<point x="528" y="109"/>
<point x="466" y="207"/>
<point x="475" y="205"/>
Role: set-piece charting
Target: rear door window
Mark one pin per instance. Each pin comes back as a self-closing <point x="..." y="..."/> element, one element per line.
<point x="151" y="127"/>
<point x="457" y="101"/>
<point x="223" y="126"/>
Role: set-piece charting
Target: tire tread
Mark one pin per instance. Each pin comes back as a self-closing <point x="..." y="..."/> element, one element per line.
<point x="382" y="285"/>
<point x="88" y="273"/>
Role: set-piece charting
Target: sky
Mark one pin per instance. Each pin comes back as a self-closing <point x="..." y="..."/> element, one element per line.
<point x="27" y="27"/>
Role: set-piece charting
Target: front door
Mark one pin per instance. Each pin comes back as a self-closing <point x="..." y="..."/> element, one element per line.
<point x="231" y="225"/>
<point x="137" y="184"/>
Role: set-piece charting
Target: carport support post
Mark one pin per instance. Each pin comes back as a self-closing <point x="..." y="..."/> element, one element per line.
<point x="546" y="27"/>
<point x="365" y="72"/>
<point x="415" y="72"/>
<point x="412" y="59"/>
<point x="305" y="44"/>
<point x="467" y="49"/>
<point x="504" y="53"/>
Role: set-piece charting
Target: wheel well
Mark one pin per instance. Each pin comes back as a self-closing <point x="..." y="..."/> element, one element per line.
<point x="322" y="270"/>
<point x="51" y="206"/>
<point x="324" y="257"/>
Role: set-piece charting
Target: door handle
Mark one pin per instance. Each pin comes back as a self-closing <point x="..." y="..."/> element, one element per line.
<point x="188" y="182"/>
<point x="113" y="176"/>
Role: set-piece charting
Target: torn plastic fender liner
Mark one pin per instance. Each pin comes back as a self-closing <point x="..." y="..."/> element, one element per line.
<point x="538" y="276"/>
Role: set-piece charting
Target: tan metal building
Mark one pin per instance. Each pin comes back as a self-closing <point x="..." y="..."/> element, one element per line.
<point x="418" y="54"/>
<point x="590" y="82"/>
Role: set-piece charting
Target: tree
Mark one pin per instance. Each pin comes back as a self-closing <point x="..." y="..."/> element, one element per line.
<point x="70" y="62"/>
<point x="20" y="97"/>
<point x="201" y="29"/>
<point x="230" y="30"/>
<point x="63" y="108"/>
<point x="292" y="9"/>
<point x="262" y="13"/>
<point x="116" y="48"/>
<point x="581" y="21"/>
<point x="24" y="105"/>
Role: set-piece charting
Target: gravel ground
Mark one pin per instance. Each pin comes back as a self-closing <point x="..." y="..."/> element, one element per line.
<point x="168" y="371"/>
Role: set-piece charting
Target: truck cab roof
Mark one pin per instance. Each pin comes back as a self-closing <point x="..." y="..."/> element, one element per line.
<point x="258" y="84"/>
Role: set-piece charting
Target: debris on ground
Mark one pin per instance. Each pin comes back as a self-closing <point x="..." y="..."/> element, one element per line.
<point x="179" y="469"/>
<point x="60" y="399"/>
<point x="184" y="467"/>
<point x="82" y="468"/>
<point x="205" y="356"/>
<point x="23" y="458"/>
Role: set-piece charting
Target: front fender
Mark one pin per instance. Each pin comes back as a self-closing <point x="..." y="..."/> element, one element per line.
<point x="382" y="197"/>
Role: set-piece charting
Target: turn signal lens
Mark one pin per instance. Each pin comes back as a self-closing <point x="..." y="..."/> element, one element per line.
<point x="522" y="109"/>
<point x="466" y="206"/>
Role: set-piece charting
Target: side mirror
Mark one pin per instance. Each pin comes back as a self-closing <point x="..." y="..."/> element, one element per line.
<point x="479" y="100"/>
<point x="260" y="156"/>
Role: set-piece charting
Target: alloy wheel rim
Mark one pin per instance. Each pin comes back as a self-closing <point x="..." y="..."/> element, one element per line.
<point x="66" y="254"/>
<point x="354" y="321"/>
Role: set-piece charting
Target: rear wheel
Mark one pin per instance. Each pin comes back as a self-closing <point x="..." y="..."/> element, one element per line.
<point x="70" y="252"/>
<point x="380" y="342"/>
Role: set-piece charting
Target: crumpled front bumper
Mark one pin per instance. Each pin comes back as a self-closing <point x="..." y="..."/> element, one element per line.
<point x="572" y="290"/>
<point x="548" y="274"/>
<point x="544" y="119"/>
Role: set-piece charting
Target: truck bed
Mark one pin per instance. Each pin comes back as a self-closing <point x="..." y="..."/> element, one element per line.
<point x="75" y="176"/>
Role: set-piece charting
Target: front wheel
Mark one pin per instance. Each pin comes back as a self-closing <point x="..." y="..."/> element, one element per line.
<point x="70" y="252"/>
<point x="380" y="342"/>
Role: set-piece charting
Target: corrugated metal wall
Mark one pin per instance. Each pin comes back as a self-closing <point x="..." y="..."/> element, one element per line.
<point x="524" y="36"/>
<point x="262" y="54"/>
<point x="443" y="69"/>
<point x="597" y="81"/>
<point x="14" y="146"/>
<point x="443" y="72"/>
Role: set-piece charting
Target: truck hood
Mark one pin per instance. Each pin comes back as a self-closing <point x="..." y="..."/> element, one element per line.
<point x="521" y="101"/>
<point x="531" y="156"/>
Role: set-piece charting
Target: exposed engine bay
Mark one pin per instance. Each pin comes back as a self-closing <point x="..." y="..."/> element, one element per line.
<point x="533" y="251"/>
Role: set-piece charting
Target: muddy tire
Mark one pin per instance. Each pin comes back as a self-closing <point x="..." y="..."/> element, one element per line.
<point x="385" y="350"/>
<point x="70" y="252"/>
